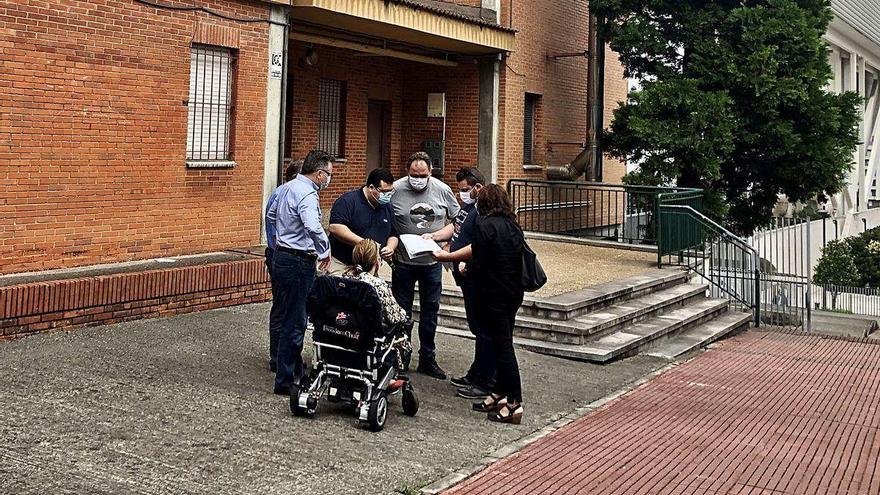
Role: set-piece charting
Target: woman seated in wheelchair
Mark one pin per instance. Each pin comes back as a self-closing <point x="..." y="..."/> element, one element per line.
<point x="353" y="363"/>
<point x="365" y="267"/>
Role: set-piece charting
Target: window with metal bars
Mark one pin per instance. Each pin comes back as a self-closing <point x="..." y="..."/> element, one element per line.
<point x="331" y="117"/>
<point x="210" y="104"/>
<point x="531" y="105"/>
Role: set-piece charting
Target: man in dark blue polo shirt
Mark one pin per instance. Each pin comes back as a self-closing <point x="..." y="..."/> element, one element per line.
<point x="364" y="214"/>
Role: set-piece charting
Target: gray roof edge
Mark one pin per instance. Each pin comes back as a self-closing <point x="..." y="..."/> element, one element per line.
<point x="861" y="15"/>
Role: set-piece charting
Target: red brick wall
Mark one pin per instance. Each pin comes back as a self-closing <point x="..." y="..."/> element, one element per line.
<point x="41" y="306"/>
<point x="543" y="28"/>
<point x="462" y="87"/>
<point x="93" y="133"/>
<point x="406" y="86"/>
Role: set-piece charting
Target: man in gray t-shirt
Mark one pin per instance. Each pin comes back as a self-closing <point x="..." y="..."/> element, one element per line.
<point x="421" y="205"/>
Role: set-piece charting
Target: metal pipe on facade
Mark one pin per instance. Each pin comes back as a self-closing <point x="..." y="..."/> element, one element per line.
<point x="590" y="157"/>
<point x="282" y="131"/>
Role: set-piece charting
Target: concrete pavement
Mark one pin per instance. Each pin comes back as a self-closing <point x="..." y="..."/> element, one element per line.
<point x="184" y="405"/>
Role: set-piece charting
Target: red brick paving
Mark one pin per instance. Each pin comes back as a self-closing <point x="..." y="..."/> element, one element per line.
<point x="764" y="413"/>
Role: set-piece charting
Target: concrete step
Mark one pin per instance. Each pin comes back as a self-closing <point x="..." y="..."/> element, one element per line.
<point x="701" y="335"/>
<point x="580" y="302"/>
<point x="569" y="351"/>
<point x="577" y="330"/>
<point x="632" y="338"/>
<point x="670" y="346"/>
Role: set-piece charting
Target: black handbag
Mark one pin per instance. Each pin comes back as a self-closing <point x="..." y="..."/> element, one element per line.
<point x="533" y="276"/>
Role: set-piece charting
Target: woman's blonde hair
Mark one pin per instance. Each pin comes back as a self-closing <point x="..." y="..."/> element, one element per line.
<point x="364" y="257"/>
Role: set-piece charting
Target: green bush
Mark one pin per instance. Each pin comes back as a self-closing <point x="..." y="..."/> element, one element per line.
<point x="866" y="254"/>
<point x="836" y="267"/>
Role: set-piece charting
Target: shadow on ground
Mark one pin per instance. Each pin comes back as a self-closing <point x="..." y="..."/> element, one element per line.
<point x="184" y="405"/>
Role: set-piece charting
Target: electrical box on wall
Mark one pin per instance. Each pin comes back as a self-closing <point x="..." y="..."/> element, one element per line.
<point x="437" y="105"/>
<point x="435" y="148"/>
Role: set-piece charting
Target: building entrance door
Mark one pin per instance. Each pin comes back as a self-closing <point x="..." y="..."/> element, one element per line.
<point x="378" y="134"/>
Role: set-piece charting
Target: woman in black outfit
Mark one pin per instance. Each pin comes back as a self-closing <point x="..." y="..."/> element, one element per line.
<point x="495" y="265"/>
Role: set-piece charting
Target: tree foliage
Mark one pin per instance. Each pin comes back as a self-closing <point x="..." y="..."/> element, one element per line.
<point x="866" y="254"/>
<point x="837" y="265"/>
<point x="733" y="101"/>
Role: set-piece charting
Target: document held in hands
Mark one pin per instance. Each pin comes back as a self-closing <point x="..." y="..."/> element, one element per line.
<point x="416" y="246"/>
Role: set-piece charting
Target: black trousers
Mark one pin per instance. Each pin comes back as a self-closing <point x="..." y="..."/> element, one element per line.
<point x="498" y="319"/>
<point x="482" y="370"/>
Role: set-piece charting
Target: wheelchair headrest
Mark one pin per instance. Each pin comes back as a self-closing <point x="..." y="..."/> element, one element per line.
<point x="347" y="305"/>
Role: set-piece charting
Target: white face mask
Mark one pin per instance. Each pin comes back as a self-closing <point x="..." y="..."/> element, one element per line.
<point x="466" y="197"/>
<point x="418" y="183"/>
<point x="326" y="183"/>
<point x="384" y="197"/>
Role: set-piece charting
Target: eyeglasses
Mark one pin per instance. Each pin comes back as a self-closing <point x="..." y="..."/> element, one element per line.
<point x="325" y="171"/>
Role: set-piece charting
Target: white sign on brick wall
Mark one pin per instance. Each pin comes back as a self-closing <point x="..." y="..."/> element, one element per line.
<point x="276" y="65"/>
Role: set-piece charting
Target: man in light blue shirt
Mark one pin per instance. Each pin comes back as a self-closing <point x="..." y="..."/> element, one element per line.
<point x="300" y="243"/>
<point x="274" y="314"/>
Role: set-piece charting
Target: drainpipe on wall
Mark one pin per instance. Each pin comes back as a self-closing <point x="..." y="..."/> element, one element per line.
<point x="591" y="157"/>
<point x="282" y="118"/>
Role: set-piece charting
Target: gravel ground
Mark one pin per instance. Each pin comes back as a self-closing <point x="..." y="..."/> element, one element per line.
<point x="184" y="405"/>
<point x="571" y="266"/>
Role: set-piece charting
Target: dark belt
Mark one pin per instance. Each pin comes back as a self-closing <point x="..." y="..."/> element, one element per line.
<point x="296" y="252"/>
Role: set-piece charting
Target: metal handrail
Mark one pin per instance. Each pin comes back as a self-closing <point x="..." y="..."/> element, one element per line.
<point x="719" y="235"/>
<point x="664" y="189"/>
<point x="611" y="212"/>
<point x="711" y="223"/>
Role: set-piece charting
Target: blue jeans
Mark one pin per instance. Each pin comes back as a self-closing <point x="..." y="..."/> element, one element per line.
<point x="403" y="286"/>
<point x="293" y="277"/>
<point x="274" y="313"/>
<point x="482" y="370"/>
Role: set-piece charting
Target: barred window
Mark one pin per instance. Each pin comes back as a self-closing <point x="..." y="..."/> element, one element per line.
<point x="331" y="117"/>
<point x="210" y="104"/>
<point x="531" y="105"/>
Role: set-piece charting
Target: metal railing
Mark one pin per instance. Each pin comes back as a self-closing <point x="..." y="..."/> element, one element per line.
<point x="767" y="274"/>
<point x="611" y="212"/>
<point x="849" y="300"/>
<point x="689" y="239"/>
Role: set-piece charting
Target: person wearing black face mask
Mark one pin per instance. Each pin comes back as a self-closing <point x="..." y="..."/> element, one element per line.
<point x="422" y="205"/>
<point x="364" y="213"/>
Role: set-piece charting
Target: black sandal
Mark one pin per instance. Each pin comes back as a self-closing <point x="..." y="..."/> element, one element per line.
<point x="513" y="416"/>
<point x="492" y="403"/>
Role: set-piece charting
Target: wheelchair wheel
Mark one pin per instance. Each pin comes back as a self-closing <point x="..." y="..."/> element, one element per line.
<point x="377" y="413"/>
<point x="410" y="400"/>
<point x="296" y="409"/>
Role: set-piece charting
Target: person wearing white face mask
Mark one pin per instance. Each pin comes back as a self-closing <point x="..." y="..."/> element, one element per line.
<point x="364" y="213"/>
<point x="480" y="377"/>
<point x="422" y="205"/>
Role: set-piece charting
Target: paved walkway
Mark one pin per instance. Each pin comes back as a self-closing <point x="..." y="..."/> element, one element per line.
<point x="764" y="413"/>
<point x="184" y="405"/>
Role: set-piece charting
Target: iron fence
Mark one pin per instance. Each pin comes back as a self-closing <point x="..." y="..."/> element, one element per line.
<point x="784" y="250"/>
<point x="850" y="300"/>
<point x="611" y="212"/>
<point x="767" y="274"/>
<point x="729" y="266"/>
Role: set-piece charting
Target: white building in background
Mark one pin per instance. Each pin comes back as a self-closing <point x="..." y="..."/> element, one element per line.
<point x="854" y="39"/>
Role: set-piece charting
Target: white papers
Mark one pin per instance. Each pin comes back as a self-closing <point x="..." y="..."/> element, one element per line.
<point x="416" y="246"/>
